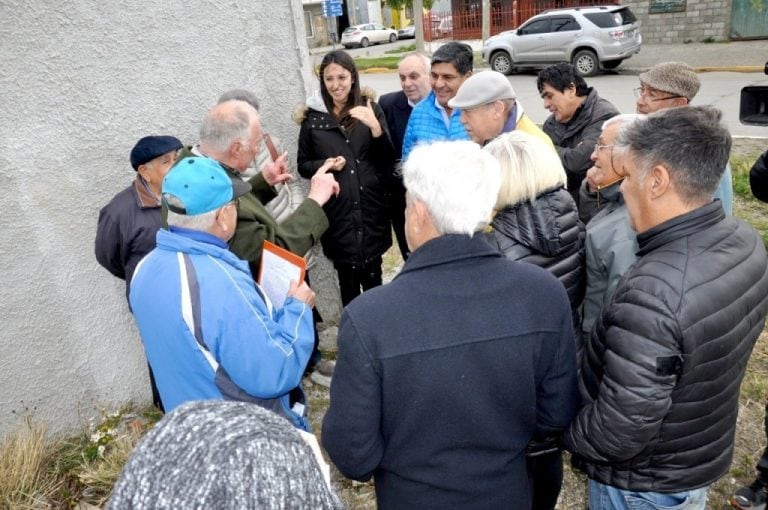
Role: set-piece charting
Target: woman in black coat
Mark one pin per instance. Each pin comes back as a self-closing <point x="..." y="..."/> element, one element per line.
<point x="537" y="222"/>
<point x="345" y="125"/>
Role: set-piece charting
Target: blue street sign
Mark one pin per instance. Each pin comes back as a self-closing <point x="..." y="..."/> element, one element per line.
<point x="330" y="8"/>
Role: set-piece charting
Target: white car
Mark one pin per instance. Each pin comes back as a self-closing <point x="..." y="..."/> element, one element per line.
<point x="367" y="34"/>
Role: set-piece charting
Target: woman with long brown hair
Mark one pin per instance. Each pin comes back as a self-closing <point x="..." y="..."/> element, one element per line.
<point x="344" y="124"/>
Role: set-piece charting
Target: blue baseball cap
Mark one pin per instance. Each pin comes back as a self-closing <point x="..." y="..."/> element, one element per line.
<point x="151" y="147"/>
<point x="200" y="185"/>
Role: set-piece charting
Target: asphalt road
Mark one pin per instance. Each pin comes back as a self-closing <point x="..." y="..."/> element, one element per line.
<point x="719" y="89"/>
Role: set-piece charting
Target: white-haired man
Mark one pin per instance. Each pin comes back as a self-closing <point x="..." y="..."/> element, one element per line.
<point x="489" y="107"/>
<point x="231" y="134"/>
<point x="425" y="404"/>
<point x="209" y="332"/>
<point x="661" y="372"/>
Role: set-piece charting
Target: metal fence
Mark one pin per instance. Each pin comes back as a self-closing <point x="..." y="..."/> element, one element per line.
<point x="468" y="24"/>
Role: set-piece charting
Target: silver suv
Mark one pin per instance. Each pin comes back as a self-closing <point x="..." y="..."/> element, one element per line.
<point x="590" y="38"/>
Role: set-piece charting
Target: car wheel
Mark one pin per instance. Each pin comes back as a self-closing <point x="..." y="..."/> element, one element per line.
<point x="364" y="42"/>
<point x="392" y="38"/>
<point x="502" y="62"/>
<point x="613" y="64"/>
<point x="586" y="63"/>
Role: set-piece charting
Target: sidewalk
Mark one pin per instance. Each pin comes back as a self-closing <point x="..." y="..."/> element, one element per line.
<point x="744" y="56"/>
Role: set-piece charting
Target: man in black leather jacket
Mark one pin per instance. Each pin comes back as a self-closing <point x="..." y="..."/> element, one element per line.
<point x="661" y="372"/>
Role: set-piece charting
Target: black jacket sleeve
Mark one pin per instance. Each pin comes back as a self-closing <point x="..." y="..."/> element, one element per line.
<point x="758" y="178"/>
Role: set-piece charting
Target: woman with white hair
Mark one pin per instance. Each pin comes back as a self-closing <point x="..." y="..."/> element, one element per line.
<point x="537" y="222"/>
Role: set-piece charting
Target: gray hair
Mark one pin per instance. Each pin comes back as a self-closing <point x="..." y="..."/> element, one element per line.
<point x="240" y="95"/>
<point x="225" y="123"/>
<point x="508" y="104"/>
<point x="201" y="222"/>
<point x="529" y="167"/>
<point x="690" y="142"/>
<point x="422" y="57"/>
<point x="457" y="182"/>
<point x="623" y="119"/>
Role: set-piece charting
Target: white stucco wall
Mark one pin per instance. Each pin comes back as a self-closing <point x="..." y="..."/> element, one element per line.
<point x="80" y="82"/>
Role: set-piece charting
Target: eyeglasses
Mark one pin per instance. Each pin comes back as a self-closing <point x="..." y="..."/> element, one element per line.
<point x="599" y="147"/>
<point x="645" y="94"/>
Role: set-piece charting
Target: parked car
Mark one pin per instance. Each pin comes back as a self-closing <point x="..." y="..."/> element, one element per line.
<point x="367" y="34"/>
<point x="591" y="38"/>
<point x="409" y="32"/>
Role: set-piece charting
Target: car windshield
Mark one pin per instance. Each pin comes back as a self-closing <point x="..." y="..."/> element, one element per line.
<point x="350" y="29"/>
<point x="610" y="19"/>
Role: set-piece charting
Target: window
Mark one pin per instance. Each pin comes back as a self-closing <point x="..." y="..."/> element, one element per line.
<point x="564" y="24"/>
<point x="309" y="28"/>
<point x="611" y="19"/>
<point x="540" y="26"/>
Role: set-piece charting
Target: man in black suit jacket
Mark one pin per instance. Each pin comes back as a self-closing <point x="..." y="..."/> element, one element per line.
<point x="414" y="80"/>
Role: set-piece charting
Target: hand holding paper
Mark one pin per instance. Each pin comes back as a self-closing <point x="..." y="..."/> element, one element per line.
<point x="279" y="273"/>
<point x="302" y="293"/>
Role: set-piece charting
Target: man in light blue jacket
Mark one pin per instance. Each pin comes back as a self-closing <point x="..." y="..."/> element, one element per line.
<point x="433" y="119"/>
<point x="209" y="332"/>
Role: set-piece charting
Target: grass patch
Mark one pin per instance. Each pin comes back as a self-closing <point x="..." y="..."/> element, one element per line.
<point x="26" y="480"/>
<point x="402" y="49"/>
<point x="363" y="63"/>
<point x="746" y="206"/>
<point x="37" y="471"/>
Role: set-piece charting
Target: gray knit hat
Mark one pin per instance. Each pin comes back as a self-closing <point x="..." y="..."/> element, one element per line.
<point x="219" y="454"/>
<point x="676" y="78"/>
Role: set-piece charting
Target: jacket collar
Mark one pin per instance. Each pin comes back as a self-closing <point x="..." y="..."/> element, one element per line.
<point x="198" y="243"/>
<point x="680" y="226"/>
<point x="612" y="193"/>
<point x="144" y="197"/>
<point x="446" y="249"/>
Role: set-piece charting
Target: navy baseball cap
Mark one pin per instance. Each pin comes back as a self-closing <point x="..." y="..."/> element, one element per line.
<point x="150" y="147"/>
<point x="200" y="185"/>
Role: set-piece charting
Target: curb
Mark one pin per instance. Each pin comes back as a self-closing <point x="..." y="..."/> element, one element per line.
<point x="729" y="69"/>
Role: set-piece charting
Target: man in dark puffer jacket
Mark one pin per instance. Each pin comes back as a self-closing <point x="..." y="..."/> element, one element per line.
<point x="661" y="374"/>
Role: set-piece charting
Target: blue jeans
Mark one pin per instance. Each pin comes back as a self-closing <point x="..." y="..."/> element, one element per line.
<point x="606" y="497"/>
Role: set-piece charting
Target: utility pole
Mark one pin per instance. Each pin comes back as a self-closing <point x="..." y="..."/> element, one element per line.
<point x="418" y="21"/>
<point x="486" y="20"/>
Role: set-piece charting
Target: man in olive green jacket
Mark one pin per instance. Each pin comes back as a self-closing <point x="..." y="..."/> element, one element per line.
<point x="231" y="134"/>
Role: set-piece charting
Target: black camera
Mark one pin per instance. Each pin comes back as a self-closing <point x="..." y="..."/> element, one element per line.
<point x="753" y="106"/>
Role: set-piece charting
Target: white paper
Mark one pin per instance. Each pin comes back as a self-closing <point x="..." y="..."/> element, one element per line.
<point x="276" y="276"/>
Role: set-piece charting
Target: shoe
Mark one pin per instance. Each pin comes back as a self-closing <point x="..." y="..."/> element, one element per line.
<point x="323" y="373"/>
<point x="752" y="497"/>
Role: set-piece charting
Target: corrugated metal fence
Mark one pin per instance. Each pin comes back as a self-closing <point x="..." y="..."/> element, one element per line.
<point x="749" y="19"/>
